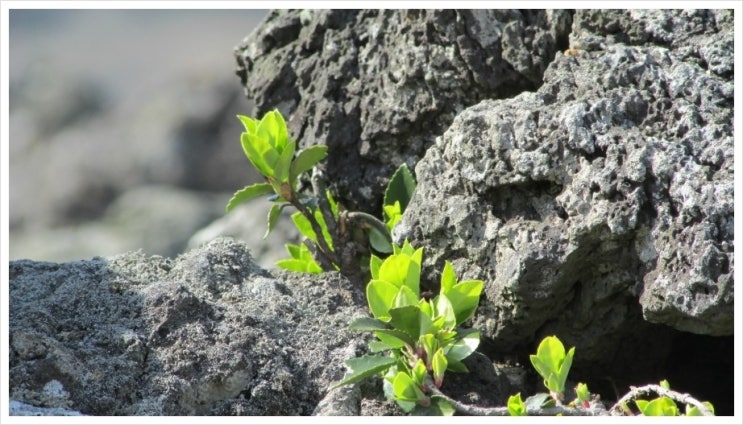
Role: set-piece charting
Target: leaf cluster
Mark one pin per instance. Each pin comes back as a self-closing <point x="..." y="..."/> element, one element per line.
<point x="334" y="239"/>
<point x="419" y="339"/>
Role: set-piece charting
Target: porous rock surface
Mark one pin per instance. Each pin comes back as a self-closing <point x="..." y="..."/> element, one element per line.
<point x="591" y="190"/>
<point x="580" y="162"/>
<point x="207" y="333"/>
<point x="608" y="188"/>
<point x="377" y="86"/>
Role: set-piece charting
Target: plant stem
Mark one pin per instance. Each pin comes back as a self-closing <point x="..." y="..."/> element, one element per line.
<point x="368" y="220"/>
<point x="318" y="186"/>
<point x="503" y="411"/>
<point x="636" y="392"/>
<point x="324" y="248"/>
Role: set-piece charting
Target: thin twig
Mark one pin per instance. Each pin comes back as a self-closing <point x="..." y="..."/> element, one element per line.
<point x="503" y="411"/>
<point x="324" y="248"/>
<point x="323" y="261"/>
<point x="368" y="220"/>
<point x="318" y="186"/>
<point x="636" y="392"/>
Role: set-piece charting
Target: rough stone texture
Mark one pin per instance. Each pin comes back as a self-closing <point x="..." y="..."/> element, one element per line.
<point x="16" y="408"/>
<point x="602" y="201"/>
<point x="597" y="207"/>
<point x="209" y="333"/>
<point x="377" y="87"/>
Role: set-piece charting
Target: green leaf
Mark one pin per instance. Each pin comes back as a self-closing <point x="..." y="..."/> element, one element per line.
<point x="377" y="346"/>
<point x="401" y="270"/>
<point x="332" y="203"/>
<point x="301" y="260"/>
<point x="254" y="148"/>
<point x="581" y="392"/>
<point x="283" y="163"/>
<point x="424" y="318"/>
<point x="661" y="406"/>
<point x="374" y="264"/>
<point x="363" y="367"/>
<point x="392" y="214"/>
<point x="273" y="217"/>
<point x="448" y="278"/>
<point x="381" y="295"/>
<point x="562" y="374"/>
<point x="419" y="372"/>
<point x="380" y="242"/>
<point x="303" y="225"/>
<point x="429" y="343"/>
<point x="249" y="123"/>
<point x="464" y="297"/>
<point x="294" y="250"/>
<point x="407" y="406"/>
<point x="305" y="160"/>
<point x="439" y="364"/>
<point x="466" y="344"/>
<point x="405" y="388"/>
<point x="393" y="338"/>
<point x="695" y="411"/>
<point x="516" y="406"/>
<point x="440" y="407"/>
<point x="552" y="363"/>
<point x="456" y="366"/>
<point x="400" y="188"/>
<point x="444" y="312"/>
<point x="247" y="193"/>
<point x="273" y="127"/>
<point x="365" y="324"/>
<point x="551" y="352"/>
<point x="405" y="297"/>
<point x="406" y="319"/>
<point x="665" y="384"/>
<point x="299" y="266"/>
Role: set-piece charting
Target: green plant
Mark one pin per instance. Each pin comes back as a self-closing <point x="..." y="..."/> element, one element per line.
<point x="335" y="239"/>
<point x="421" y="336"/>
<point x="553" y="364"/>
<point x="516" y="406"/>
<point x="665" y="404"/>
<point x="397" y="196"/>
<point x="583" y="396"/>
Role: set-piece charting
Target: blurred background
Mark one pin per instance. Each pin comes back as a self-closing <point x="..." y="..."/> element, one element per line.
<point x="123" y="133"/>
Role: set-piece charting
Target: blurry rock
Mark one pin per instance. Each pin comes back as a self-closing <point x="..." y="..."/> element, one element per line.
<point x="248" y="223"/>
<point x="158" y="219"/>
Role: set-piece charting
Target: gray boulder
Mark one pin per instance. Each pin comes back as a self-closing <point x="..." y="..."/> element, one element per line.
<point x="600" y="204"/>
<point x="209" y="333"/>
<point x="580" y="162"/>
<point x="378" y="86"/>
<point x="206" y="333"/>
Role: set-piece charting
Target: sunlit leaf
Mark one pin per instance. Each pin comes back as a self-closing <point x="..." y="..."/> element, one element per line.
<point x="306" y="159"/>
<point x="516" y="406"/>
<point x="247" y="193"/>
<point x="466" y="344"/>
<point x="381" y="295"/>
<point x="361" y="368"/>
<point x="273" y="217"/>
<point x="400" y="188"/>
<point x="406" y="319"/>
